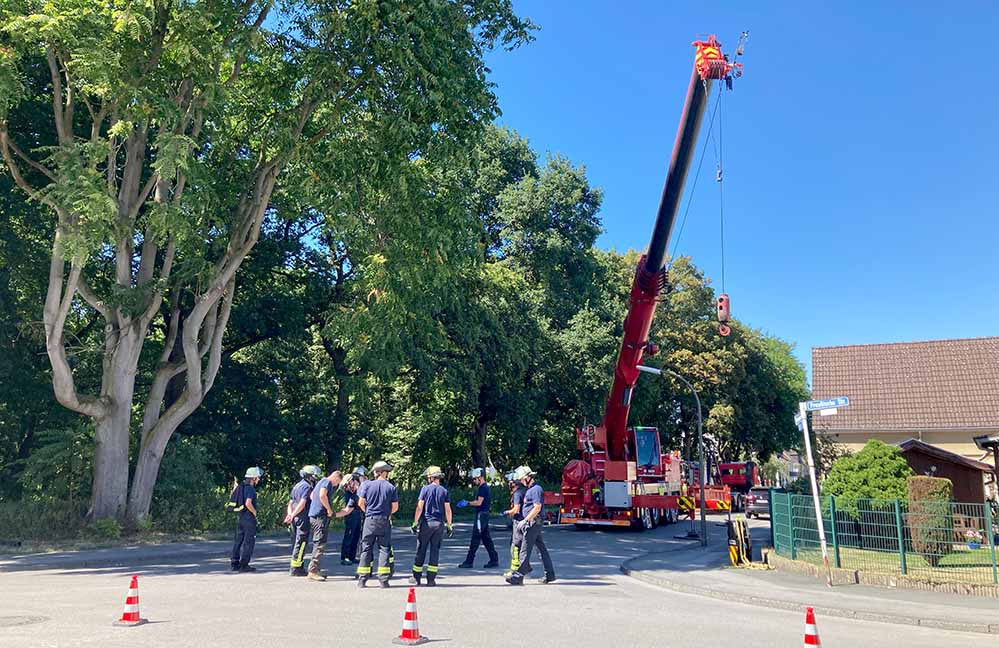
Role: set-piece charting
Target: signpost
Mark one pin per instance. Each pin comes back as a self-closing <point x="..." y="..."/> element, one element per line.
<point x="801" y="420"/>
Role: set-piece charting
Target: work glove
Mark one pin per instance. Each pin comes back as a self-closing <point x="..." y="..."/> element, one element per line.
<point x="522" y="525"/>
<point x="450" y="530"/>
<point x="462" y="503"/>
<point x="415" y="528"/>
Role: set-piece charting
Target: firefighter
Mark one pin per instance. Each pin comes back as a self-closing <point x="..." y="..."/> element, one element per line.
<point x="527" y="533"/>
<point x="480" y="530"/>
<point x="351" y="522"/>
<point x="244" y="496"/>
<point x="517" y="491"/>
<point x="379" y="500"/>
<point x="431" y="521"/>
<point x="320" y="512"/>
<point x="297" y="515"/>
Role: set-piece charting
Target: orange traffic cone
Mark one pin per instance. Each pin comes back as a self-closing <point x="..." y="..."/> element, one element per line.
<point x="811" y="632"/>
<point x="130" y="617"/>
<point x="410" y="626"/>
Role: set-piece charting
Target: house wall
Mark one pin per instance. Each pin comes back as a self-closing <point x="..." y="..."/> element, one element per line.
<point x="958" y="442"/>
<point x="968" y="483"/>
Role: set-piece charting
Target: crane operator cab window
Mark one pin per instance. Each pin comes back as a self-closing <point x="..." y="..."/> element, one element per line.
<point x="647" y="447"/>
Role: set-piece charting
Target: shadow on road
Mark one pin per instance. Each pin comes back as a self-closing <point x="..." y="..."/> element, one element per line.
<point x="583" y="557"/>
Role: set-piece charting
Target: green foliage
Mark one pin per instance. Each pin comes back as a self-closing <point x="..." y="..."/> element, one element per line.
<point x="878" y="471"/>
<point x="59" y="470"/>
<point x="931" y="524"/>
<point x="105" y="529"/>
<point x="425" y="287"/>
<point x="800" y="486"/>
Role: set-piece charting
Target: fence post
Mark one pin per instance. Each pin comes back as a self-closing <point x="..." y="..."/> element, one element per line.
<point x="790" y="524"/>
<point x="901" y="537"/>
<point x="770" y="514"/>
<point x="835" y="534"/>
<point x="992" y="541"/>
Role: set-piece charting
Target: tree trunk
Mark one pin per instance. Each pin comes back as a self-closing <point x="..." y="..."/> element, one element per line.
<point x="480" y="454"/>
<point x="340" y="427"/>
<point x="147" y="469"/>
<point x="110" y="486"/>
<point x="111" y="433"/>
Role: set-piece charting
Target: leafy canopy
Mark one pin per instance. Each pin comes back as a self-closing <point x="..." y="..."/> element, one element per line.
<point x="878" y="471"/>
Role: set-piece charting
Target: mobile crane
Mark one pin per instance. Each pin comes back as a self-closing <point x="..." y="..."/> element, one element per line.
<point x="623" y="478"/>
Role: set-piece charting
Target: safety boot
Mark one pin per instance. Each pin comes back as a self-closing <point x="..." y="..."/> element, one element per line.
<point x="415" y="579"/>
<point x="362" y="582"/>
<point x="431" y="580"/>
<point x="317" y="576"/>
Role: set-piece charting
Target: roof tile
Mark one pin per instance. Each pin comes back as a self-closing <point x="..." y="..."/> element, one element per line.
<point x="940" y="384"/>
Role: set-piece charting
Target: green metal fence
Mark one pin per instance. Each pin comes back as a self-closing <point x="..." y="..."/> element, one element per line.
<point x="934" y="541"/>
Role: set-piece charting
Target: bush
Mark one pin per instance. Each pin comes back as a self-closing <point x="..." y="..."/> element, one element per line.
<point x="930" y="523"/>
<point x="106" y="529"/>
<point x="878" y="471"/>
<point x="33" y="520"/>
<point x="800" y="486"/>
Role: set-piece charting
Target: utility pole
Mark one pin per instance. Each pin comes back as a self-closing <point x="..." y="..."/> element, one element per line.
<point x="700" y="445"/>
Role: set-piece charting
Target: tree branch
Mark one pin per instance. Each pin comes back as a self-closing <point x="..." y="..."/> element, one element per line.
<point x="91" y="298"/>
<point x="57" y="107"/>
<point x="55" y="311"/>
<point x="35" y="165"/>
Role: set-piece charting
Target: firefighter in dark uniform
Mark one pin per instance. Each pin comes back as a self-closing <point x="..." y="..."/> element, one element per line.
<point x="244" y="497"/>
<point x="430" y="522"/>
<point x="379" y="499"/>
<point x="297" y="515"/>
<point x="351" y="522"/>
<point x="320" y="513"/>
<point x="480" y="530"/>
<point x="527" y="532"/>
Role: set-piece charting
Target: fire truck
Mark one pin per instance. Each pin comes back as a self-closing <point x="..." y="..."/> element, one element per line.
<point x="739" y="477"/>
<point x="622" y="476"/>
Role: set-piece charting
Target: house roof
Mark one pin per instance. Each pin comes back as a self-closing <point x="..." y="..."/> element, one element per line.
<point x="910" y="386"/>
<point x="915" y="445"/>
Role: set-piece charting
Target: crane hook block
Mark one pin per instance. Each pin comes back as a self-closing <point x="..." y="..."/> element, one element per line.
<point x="724" y="313"/>
<point x="710" y="63"/>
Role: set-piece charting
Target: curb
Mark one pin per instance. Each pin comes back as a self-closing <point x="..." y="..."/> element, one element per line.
<point x="777" y="604"/>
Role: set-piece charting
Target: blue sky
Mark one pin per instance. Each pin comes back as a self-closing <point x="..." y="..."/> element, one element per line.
<point x="860" y="152"/>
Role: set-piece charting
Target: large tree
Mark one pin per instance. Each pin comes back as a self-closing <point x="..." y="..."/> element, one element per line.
<point x="175" y="125"/>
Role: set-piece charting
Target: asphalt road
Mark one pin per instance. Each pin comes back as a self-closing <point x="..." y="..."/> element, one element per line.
<point x="191" y="599"/>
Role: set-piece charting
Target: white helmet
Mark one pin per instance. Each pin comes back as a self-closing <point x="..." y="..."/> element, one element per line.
<point x="522" y="472"/>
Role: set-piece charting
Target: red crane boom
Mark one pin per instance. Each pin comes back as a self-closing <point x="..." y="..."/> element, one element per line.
<point x="619" y="465"/>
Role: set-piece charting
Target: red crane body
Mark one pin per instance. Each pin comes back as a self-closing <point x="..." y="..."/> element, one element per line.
<point x="623" y="477"/>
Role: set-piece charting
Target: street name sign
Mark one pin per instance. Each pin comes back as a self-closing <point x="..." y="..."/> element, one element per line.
<point x="827" y="403"/>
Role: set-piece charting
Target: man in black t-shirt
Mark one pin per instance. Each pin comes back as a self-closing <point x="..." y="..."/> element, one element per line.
<point x="245" y="498"/>
<point x="351" y="522"/>
<point x="480" y="530"/>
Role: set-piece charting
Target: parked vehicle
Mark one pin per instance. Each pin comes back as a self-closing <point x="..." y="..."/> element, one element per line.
<point x="757" y="502"/>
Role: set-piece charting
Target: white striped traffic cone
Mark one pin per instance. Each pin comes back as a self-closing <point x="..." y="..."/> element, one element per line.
<point x="410" y="626"/>
<point x="130" y="617"/>
<point x="811" y="632"/>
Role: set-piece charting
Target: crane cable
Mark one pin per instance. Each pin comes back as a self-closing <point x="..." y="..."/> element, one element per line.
<point x="693" y="187"/>
<point x="721" y="201"/>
